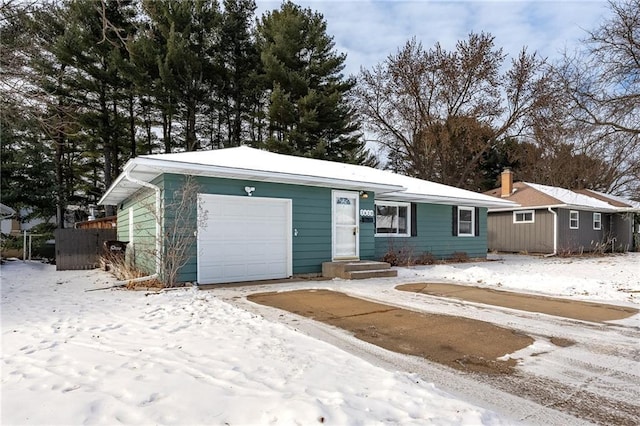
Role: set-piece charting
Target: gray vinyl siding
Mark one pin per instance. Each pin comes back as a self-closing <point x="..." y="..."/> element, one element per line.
<point x="537" y="237"/>
<point x="585" y="238"/>
<point x="622" y="229"/>
<point x="507" y="236"/>
<point x="435" y="236"/>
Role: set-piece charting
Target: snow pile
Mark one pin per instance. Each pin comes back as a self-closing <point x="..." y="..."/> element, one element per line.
<point x="71" y="356"/>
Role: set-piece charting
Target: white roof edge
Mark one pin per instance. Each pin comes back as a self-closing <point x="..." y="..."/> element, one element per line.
<point x="115" y="183"/>
<point x="164" y="166"/>
<point x="631" y="203"/>
<point x="448" y="200"/>
<point x="263" y="166"/>
<point x="279" y="177"/>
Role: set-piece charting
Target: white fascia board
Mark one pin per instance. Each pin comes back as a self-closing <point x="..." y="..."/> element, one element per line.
<point x="435" y="199"/>
<point x="155" y="168"/>
<point x="108" y="195"/>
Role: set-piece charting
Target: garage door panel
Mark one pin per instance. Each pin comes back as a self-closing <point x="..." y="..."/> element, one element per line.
<point x="244" y="239"/>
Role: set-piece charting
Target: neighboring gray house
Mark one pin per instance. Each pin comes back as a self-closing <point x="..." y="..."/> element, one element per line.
<point x="7" y="217"/>
<point x="557" y="220"/>
<point x="264" y="215"/>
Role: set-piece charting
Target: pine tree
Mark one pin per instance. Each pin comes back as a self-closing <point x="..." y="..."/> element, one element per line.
<point x="239" y="63"/>
<point x="94" y="53"/>
<point x="308" y="110"/>
<point x="185" y="34"/>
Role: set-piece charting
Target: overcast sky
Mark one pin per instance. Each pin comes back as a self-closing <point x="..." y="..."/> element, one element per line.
<point x="368" y="31"/>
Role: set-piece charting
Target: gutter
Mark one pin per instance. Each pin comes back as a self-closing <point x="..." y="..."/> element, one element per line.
<point x="555" y="232"/>
<point x="158" y="215"/>
<point x="446" y="200"/>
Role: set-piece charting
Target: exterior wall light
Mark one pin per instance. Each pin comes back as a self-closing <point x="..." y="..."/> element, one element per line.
<point x="363" y="194"/>
<point x="249" y="190"/>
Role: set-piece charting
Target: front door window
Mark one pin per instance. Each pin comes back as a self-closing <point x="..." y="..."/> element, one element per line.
<point x="345" y="225"/>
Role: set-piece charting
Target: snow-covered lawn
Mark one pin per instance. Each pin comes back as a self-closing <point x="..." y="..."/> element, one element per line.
<point x="612" y="279"/>
<point x="73" y="356"/>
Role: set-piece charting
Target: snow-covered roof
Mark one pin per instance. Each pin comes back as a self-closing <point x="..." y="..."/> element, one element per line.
<point x="635" y="205"/>
<point x="258" y="165"/>
<point x="530" y="195"/>
<point x="570" y="198"/>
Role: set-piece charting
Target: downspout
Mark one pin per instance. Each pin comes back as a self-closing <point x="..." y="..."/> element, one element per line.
<point x="156" y="188"/>
<point x="555" y="232"/>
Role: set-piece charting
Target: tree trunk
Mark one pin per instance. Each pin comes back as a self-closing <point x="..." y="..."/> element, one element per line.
<point x="132" y="128"/>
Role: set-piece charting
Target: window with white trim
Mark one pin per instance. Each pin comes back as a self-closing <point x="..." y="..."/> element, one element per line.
<point x="524" y="216"/>
<point x="393" y="219"/>
<point x="466" y="218"/>
<point x="597" y="221"/>
<point x="574" y="219"/>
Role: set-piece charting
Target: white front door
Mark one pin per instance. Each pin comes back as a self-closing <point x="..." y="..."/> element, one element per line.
<point x="345" y="225"/>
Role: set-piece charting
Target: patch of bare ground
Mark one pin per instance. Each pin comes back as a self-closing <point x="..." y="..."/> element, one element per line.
<point x="461" y="343"/>
<point x="585" y="311"/>
<point x="472" y="348"/>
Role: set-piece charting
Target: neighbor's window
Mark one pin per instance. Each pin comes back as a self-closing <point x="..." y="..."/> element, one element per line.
<point x="574" y="219"/>
<point x="525" y="216"/>
<point x="392" y="218"/>
<point x="597" y="221"/>
<point x="465" y="221"/>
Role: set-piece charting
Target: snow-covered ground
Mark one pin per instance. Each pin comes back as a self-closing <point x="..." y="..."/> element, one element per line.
<point x="71" y="355"/>
<point x="612" y="279"/>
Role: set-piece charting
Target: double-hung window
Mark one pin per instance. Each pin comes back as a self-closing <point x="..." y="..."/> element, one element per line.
<point x="393" y="219"/>
<point x="597" y="221"/>
<point x="466" y="218"/>
<point x="524" y="216"/>
<point x="574" y="219"/>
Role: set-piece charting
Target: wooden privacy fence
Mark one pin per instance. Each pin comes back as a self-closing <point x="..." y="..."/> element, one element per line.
<point x="81" y="248"/>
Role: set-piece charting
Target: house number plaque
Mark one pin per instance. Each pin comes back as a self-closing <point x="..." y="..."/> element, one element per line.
<point x="366" y="215"/>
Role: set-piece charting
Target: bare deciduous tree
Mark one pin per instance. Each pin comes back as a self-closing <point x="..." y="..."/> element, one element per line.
<point x="438" y="112"/>
<point x="179" y="220"/>
<point x="602" y="87"/>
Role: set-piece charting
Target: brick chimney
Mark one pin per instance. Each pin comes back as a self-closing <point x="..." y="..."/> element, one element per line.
<point x="506" y="183"/>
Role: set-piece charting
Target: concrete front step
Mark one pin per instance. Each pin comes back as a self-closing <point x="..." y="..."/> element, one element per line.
<point x="357" y="269"/>
<point x="375" y="273"/>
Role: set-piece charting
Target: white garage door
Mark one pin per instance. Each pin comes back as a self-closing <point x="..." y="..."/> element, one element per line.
<point x="243" y="238"/>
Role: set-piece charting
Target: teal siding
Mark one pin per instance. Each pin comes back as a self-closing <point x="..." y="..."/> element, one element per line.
<point x="367" y="230"/>
<point x="142" y="251"/>
<point x="311" y="218"/>
<point x="435" y="236"/>
<point x="311" y="222"/>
